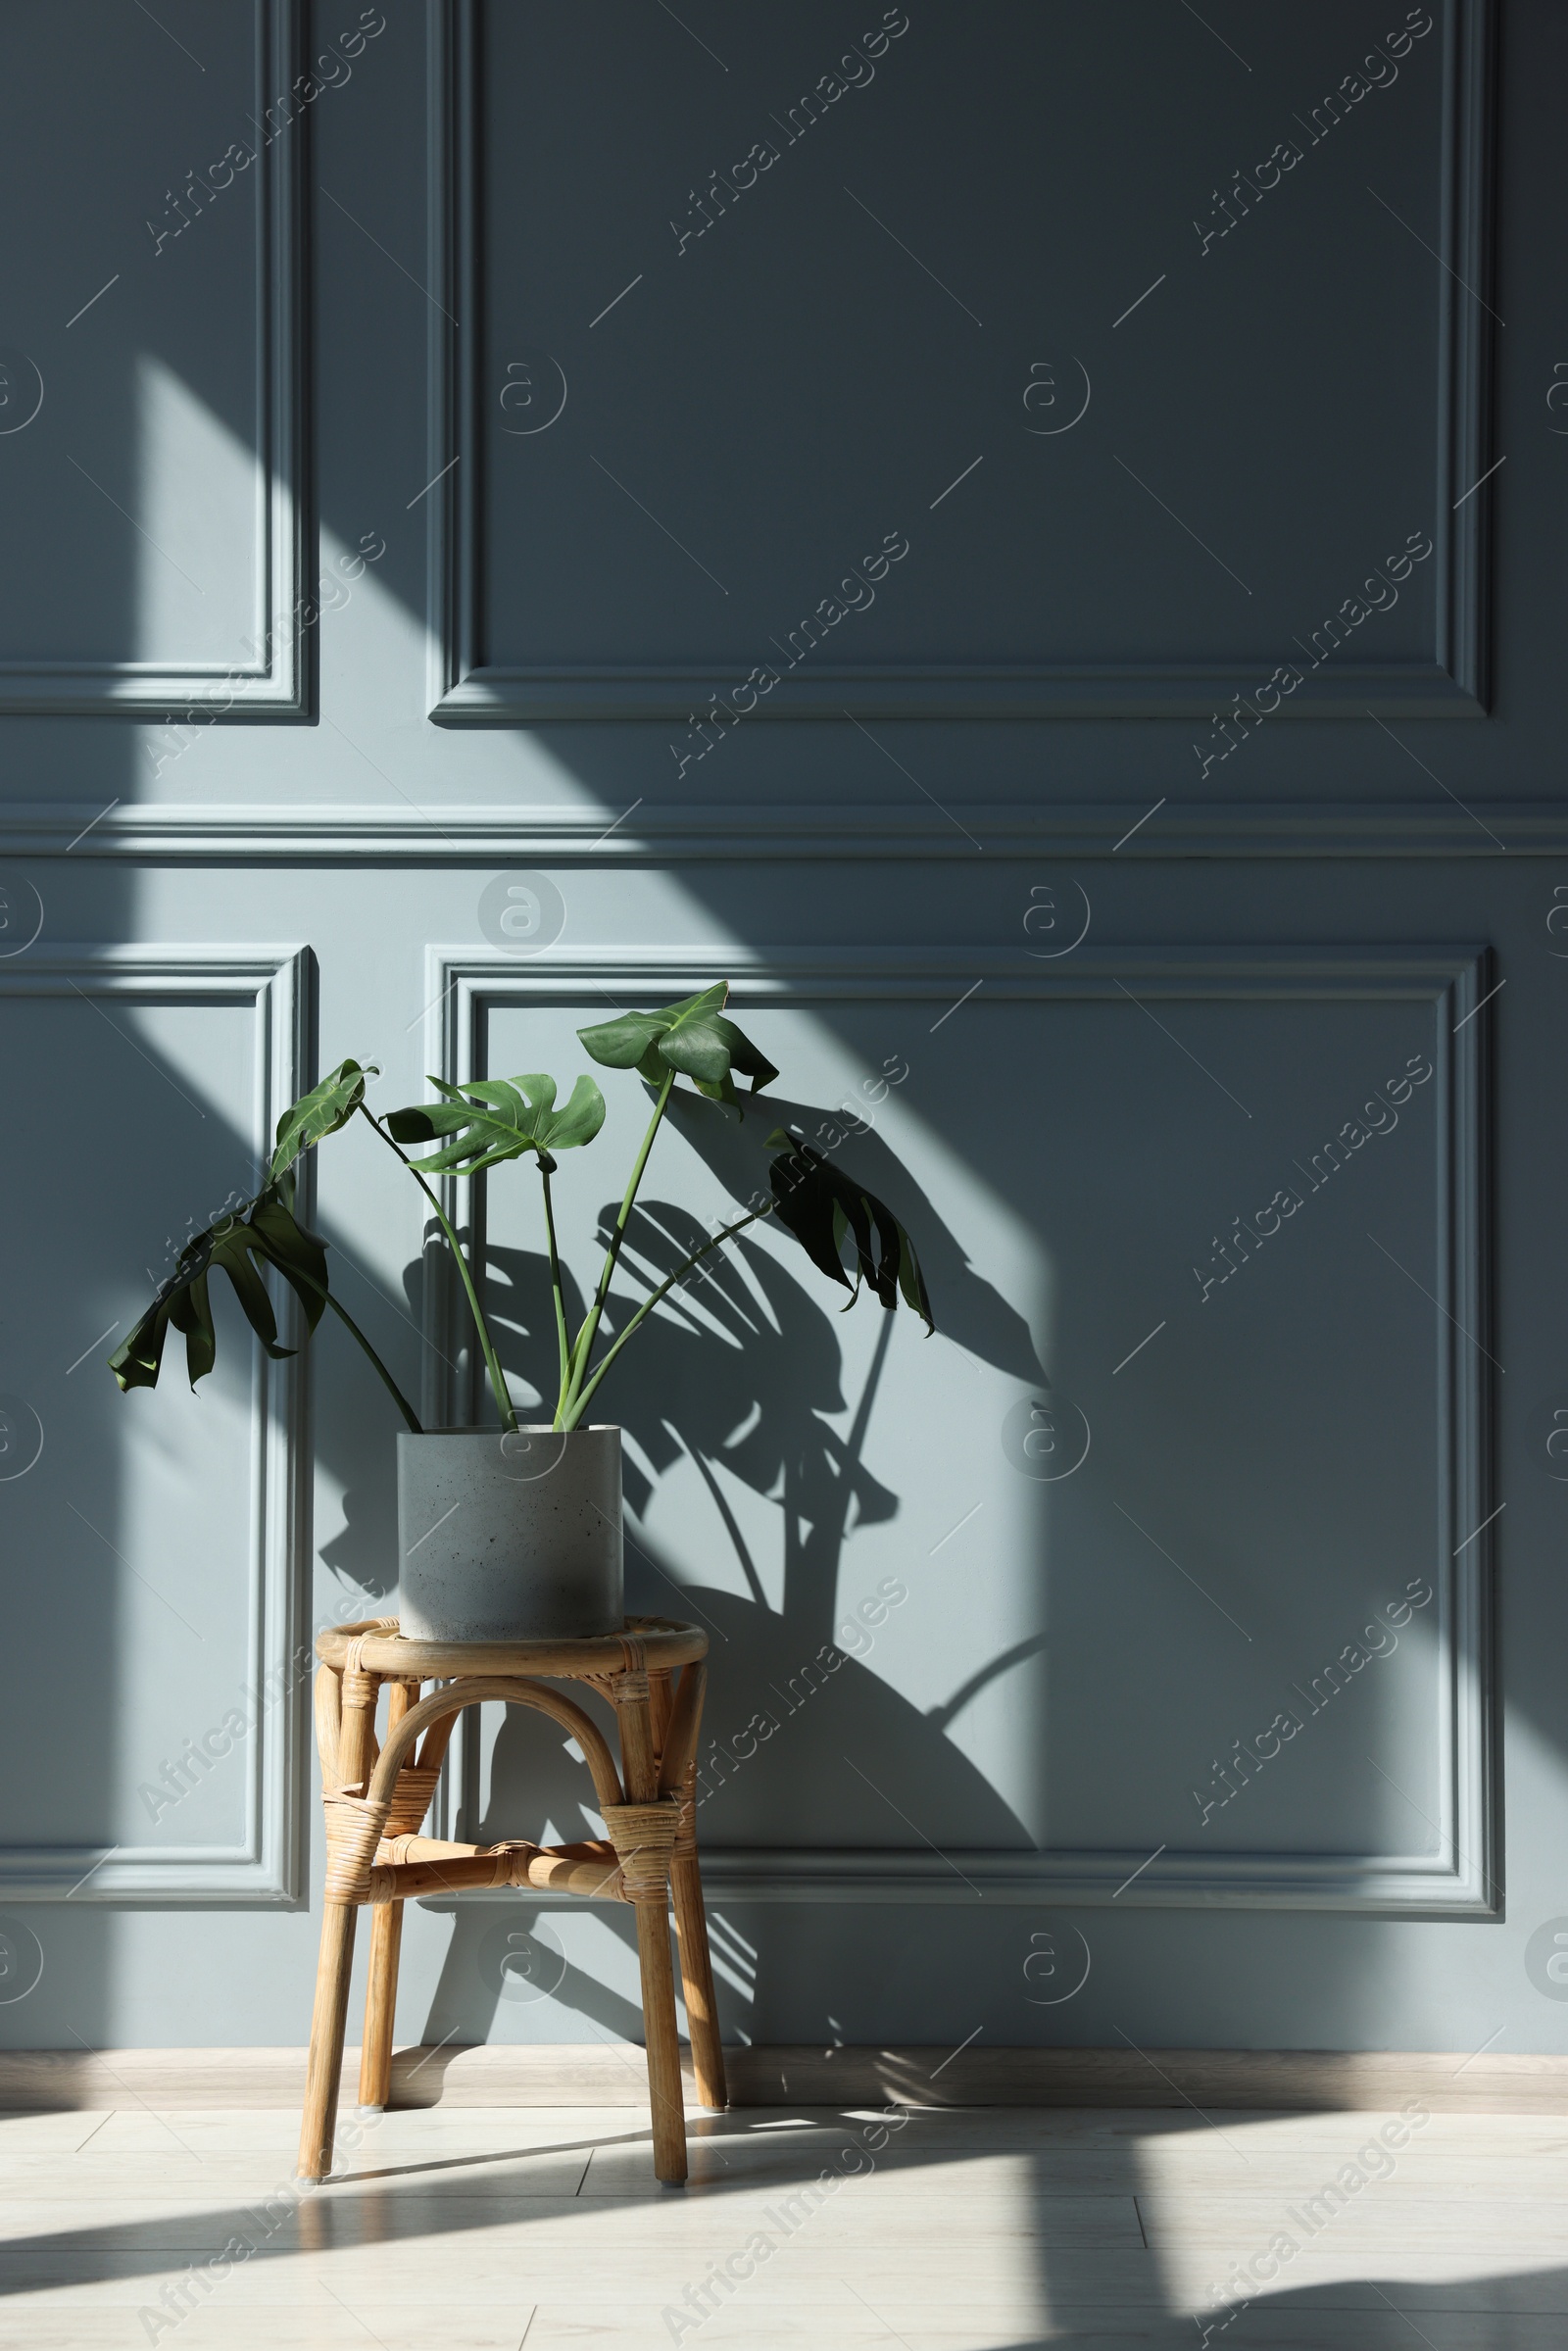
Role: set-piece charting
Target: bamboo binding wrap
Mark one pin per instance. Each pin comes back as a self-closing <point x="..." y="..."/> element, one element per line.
<point x="644" y="1838"/>
<point x="685" y="1845"/>
<point x="355" y="1826"/>
<point x="413" y="1791"/>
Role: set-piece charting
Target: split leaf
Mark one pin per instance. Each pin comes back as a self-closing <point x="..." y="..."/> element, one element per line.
<point x="319" y="1113"/>
<point x="692" y="1038"/>
<point x="263" y="1234"/>
<point x="822" y="1207"/>
<point x="492" y="1119"/>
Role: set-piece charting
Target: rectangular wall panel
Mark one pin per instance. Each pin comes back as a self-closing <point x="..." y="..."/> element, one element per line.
<point x="1137" y="1565"/>
<point x="884" y="460"/>
<point x="152" y="409"/>
<point x="155" y="1539"/>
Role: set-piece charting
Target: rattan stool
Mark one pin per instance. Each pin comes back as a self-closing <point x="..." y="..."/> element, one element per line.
<point x="375" y="1799"/>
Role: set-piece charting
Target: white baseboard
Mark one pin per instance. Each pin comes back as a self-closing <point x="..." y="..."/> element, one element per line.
<point x="596" y="2074"/>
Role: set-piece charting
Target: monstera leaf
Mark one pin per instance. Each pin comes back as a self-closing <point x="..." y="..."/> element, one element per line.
<point x="693" y="1038"/>
<point x="319" y="1113"/>
<point x="821" y="1206"/>
<point x="490" y="1121"/>
<point x="267" y="1232"/>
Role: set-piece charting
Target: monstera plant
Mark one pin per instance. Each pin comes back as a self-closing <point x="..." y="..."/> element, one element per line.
<point x="536" y="1546"/>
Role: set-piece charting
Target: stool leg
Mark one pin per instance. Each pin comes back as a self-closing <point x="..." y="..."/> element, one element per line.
<point x="640" y="1772"/>
<point x="380" y="2005"/>
<point x="386" y="1944"/>
<point x="664" y="2044"/>
<point x="319" y="2124"/>
<point x="697" y="1981"/>
<point x="686" y="1882"/>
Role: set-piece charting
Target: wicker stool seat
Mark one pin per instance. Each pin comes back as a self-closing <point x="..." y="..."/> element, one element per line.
<point x="375" y="1795"/>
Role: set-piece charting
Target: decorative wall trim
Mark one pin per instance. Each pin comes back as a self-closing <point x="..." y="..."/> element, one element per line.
<point x="1463" y="542"/>
<point x="281" y="685"/>
<point x="597" y="2074"/>
<point x="271" y="984"/>
<point x="466" y="689"/>
<point x="463" y="984"/>
<point x="287" y="832"/>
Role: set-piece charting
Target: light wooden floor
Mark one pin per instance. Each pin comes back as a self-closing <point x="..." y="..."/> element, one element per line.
<point x="475" y="2229"/>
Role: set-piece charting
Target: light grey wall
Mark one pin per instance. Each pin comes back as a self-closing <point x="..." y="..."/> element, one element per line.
<point x="1100" y="975"/>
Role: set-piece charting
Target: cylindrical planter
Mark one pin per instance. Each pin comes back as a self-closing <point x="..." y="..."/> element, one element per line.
<point x="507" y="1535"/>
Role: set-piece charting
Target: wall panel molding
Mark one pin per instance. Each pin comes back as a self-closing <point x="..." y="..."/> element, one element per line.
<point x="461" y="987"/>
<point x="468" y="686"/>
<point x="270" y="986"/>
<point x="279" y="685"/>
<point x="289" y="832"/>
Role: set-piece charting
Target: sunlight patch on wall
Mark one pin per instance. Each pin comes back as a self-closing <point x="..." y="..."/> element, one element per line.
<point x="198" y="513"/>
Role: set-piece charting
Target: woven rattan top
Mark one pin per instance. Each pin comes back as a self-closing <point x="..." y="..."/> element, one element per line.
<point x="658" y="1642"/>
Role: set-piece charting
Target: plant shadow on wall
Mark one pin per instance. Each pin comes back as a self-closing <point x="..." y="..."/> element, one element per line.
<point x="742" y="1374"/>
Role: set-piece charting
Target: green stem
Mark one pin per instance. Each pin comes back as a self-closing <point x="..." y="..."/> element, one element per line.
<point x="581" y="1403"/>
<point x="509" y="1417"/>
<point x="343" y="1314"/>
<point x="555" y="1285"/>
<point x="573" y="1399"/>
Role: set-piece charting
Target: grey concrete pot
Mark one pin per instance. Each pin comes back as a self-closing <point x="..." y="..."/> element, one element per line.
<point x="508" y="1537"/>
